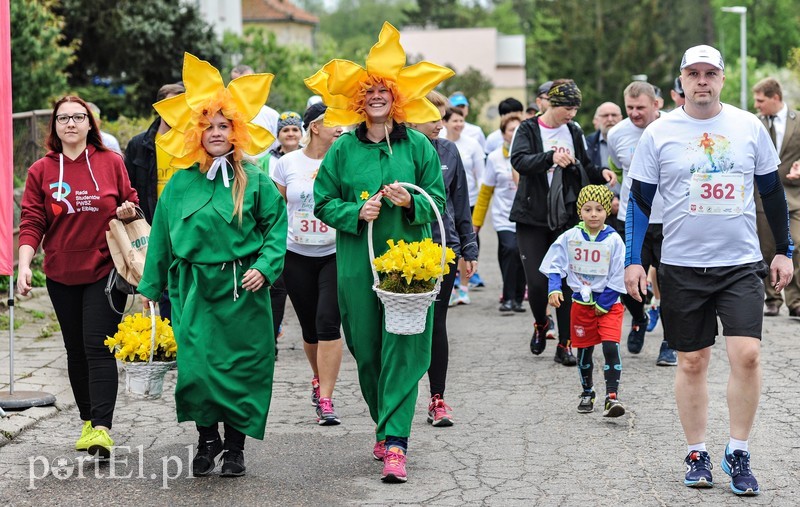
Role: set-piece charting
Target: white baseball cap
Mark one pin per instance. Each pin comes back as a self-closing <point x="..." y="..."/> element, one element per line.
<point x="702" y="54"/>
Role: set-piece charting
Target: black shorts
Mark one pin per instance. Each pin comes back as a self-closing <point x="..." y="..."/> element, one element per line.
<point x="693" y="298"/>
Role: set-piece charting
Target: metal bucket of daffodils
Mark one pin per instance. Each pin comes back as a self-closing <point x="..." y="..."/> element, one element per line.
<point x="410" y="276"/>
<point x="147" y="349"/>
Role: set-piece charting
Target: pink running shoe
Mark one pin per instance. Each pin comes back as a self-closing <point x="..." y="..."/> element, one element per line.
<point x="394" y="466"/>
<point x="379" y="451"/>
<point x="439" y="412"/>
<point x="315" y="391"/>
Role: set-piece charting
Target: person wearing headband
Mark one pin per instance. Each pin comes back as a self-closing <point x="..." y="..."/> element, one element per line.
<point x="549" y="153"/>
<point x="218" y="241"/>
<point x="590" y="256"/>
<point x="359" y="182"/>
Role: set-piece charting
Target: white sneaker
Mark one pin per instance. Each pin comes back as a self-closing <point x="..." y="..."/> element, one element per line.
<point x="453" y="299"/>
<point x="463" y="297"/>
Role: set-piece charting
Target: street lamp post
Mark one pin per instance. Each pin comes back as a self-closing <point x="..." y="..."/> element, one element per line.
<point x="742" y="12"/>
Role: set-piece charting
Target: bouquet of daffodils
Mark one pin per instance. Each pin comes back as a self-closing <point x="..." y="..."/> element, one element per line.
<point x="412" y="268"/>
<point x="132" y="341"/>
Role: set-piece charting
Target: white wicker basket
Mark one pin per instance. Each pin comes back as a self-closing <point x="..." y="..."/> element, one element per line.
<point x="406" y="314"/>
<point x="146" y="380"/>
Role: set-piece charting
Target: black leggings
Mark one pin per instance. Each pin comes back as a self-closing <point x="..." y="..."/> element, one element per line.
<point x="311" y="284"/>
<point x="612" y="371"/>
<point x="533" y="242"/>
<point x="277" y="297"/>
<point x="86" y="319"/>
<point x="234" y="439"/>
<point x="440" y="350"/>
<point x="510" y="266"/>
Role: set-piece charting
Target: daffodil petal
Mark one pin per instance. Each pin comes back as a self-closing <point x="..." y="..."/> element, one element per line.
<point x="344" y="77"/>
<point x="421" y="111"/>
<point x="175" y="111"/>
<point x="419" y="79"/>
<point x="250" y="93"/>
<point x="173" y="143"/>
<point x="341" y="117"/>
<point x="260" y="139"/>
<point x="387" y="57"/>
<point x="201" y="80"/>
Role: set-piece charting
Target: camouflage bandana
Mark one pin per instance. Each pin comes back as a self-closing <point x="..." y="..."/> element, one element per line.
<point x="565" y="94"/>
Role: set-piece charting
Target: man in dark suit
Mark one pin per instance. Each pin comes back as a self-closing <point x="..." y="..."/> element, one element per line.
<point x="783" y="125"/>
<point x="606" y="116"/>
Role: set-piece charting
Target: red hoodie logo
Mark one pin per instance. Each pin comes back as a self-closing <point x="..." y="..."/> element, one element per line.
<point x="62" y="192"/>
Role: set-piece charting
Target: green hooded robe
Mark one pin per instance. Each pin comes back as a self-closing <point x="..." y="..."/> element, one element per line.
<point x="389" y="365"/>
<point x="200" y="251"/>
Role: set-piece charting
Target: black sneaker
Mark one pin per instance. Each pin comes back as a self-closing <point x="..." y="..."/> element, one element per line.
<point x="698" y="470"/>
<point x="507" y="306"/>
<point x="233" y="463"/>
<point x="564" y="355"/>
<point x="737" y="465"/>
<point x="204" y="461"/>
<point x="539" y="338"/>
<point x="586" y="404"/>
<point x="636" y="336"/>
<point x="517" y="307"/>
<point x="614" y="407"/>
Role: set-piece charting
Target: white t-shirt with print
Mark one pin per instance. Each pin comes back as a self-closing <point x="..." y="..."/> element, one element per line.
<point x="472" y="158"/>
<point x="557" y="139"/>
<point x="307" y="234"/>
<point x="498" y="175"/>
<point x="705" y="171"/>
<point x="622" y="140"/>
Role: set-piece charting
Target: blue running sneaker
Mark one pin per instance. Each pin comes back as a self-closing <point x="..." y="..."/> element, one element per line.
<point x="667" y="356"/>
<point x="653" y="313"/>
<point x="476" y="281"/>
<point x="698" y="470"/>
<point x="737" y="465"/>
<point x="636" y="336"/>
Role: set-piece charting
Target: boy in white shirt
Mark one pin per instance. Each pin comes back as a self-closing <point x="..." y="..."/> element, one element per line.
<point x="591" y="256"/>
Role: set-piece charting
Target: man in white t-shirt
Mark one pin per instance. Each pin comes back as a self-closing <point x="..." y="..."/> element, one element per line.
<point x="641" y="105"/>
<point x="704" y="159"/>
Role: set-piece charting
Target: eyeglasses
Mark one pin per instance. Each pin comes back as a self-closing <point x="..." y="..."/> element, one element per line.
<point x="63" y="119"/>
<point x="289" y="114"/>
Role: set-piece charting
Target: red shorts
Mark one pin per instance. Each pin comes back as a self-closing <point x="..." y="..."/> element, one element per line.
<point x="589" y="329"/>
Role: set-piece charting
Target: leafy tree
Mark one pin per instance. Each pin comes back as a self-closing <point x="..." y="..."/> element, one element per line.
<point x="475" y="86"/>
<point x="259" y="49"/>
<point x="771" y="29"/>
<point x="38" y="61"/>
<point x="134" y="47"/>
<point x="354" y="25"/>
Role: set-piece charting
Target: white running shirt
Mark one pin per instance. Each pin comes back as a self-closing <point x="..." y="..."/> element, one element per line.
<point x="307" y="234"/>
<point x="705" y="171"/>
<point x="622" y="140"/>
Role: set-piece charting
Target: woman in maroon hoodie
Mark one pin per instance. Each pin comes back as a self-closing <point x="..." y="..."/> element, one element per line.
<point x="70" y="196"/>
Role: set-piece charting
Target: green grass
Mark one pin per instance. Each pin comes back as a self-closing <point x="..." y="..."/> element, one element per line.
<point x="4" y="321"/>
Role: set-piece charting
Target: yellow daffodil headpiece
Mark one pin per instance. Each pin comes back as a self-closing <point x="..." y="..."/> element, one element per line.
<point x="189" y="114"/>
<point x="343" y="84"/>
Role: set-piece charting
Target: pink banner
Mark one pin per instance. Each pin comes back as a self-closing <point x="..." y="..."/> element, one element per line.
<point x="6" y="145"/>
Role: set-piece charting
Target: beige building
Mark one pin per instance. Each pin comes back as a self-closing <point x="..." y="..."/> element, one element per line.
<point x="290" y="24"/>
<point x="223" y="15"/>
<point x="499" y="57"/>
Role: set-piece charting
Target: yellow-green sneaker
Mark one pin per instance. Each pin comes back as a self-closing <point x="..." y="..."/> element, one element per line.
<point x="99" y="443"/>
<point x="86" y="431"/>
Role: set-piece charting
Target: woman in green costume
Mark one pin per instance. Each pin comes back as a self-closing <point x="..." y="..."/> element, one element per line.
<point x="357" y="184"/>
<point x="218" y="238"/>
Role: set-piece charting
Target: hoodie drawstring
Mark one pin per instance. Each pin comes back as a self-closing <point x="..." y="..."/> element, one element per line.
<point x="61" y="174"/>
<point x="96" y="186"/>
